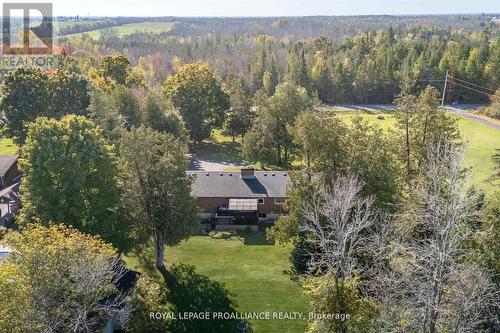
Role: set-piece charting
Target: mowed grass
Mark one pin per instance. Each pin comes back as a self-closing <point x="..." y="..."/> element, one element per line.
<point x="482" y="143"/>
<point x="256" y="274"/>
<point x="218" y="148"/>
<point x="7" y="147"/>
<point x="128" y="29"/>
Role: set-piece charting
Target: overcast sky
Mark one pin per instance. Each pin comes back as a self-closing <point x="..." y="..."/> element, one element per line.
<point x="267" y="7"/>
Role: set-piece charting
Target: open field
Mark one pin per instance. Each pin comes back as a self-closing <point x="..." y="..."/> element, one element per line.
<point x="255" y="273"/>
<point x="127" y="29"/>
<point x="482" y="141"/>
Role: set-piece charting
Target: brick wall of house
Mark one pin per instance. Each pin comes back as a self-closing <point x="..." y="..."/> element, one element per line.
<point x="210" y="205"/>
<point x="269" y="207"/>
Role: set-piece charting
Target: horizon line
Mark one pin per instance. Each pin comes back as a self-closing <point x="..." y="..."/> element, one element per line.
<point x="283" y="16"/>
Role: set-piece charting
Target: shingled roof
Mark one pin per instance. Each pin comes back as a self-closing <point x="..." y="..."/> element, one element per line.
<point x="6" y="162"/>
<point x="227" y="184"/>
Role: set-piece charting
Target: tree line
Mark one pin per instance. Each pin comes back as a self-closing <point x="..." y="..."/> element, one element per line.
<point x="370" y="67"/>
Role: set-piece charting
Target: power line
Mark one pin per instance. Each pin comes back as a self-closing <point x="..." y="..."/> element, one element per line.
<point x="479" y="91"/>
<point x="430" y="80"/>
<point x="473" y="84"/>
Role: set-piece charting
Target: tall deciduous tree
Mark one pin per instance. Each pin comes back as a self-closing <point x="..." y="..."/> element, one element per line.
<point x="432" y="283"/>
<point x="161" y="117"/>
<point x="70" y="176"/>
<point x="127" y="105"/>
<point x="28" y="93"/>
<point x="158" y="189"/>
<point x="339" y="222"/>
<point x="68" y="94"/>
<point x="275" y="117"/>
<point x="330" y="147"/>
<point x="25" y="96"/>
<point x="195" y="91"/>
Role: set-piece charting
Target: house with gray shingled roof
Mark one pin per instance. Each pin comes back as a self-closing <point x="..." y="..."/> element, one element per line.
<point x="246" y="197"/>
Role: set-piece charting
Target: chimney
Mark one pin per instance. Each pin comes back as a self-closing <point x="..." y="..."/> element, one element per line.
<point x="247" y="172"/>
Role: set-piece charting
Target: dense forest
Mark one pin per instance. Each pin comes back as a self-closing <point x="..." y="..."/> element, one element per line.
<point x="341" y="59"/>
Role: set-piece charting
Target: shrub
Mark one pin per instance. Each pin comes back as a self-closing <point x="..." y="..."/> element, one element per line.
<point x="493" y="110"/>
<point x="221" y="234"/>
<point x="3" y="232"/>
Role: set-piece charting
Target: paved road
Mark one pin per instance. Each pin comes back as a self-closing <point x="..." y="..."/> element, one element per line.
<point x="462" y="110"/>
<point x="466" y="113"/>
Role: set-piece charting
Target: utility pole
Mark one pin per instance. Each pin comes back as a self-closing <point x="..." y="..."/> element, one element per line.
<point x="444" y="89"/>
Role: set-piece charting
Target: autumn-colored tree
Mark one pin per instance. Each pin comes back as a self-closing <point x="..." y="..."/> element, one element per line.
<point x="322" y="78"/>
<point x="58" y="279"/>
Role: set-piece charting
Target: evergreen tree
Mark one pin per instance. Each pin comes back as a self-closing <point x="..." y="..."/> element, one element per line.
<point x="297" y="71"/>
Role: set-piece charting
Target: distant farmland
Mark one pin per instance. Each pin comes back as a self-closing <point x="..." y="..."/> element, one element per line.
<point x="127" y="29"/>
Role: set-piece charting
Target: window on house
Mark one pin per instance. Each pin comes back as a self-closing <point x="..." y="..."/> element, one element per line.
<point x="262" y="215"/>
<point x="261" y="201"/>
<point x="279" y="201"/>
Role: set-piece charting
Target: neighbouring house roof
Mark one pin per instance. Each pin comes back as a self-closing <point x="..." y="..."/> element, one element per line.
<point x="6" y="162"/>
<point x="11" y="192"/>
<point x="4" y="251"/>
<point x="227" y="184"/>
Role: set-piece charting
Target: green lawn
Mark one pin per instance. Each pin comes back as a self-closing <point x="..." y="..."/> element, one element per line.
<point x="7" y="147"/>
<point x="256" y="275"/>
<point x="482" y="143"/>
<point x="219" y="148"/>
